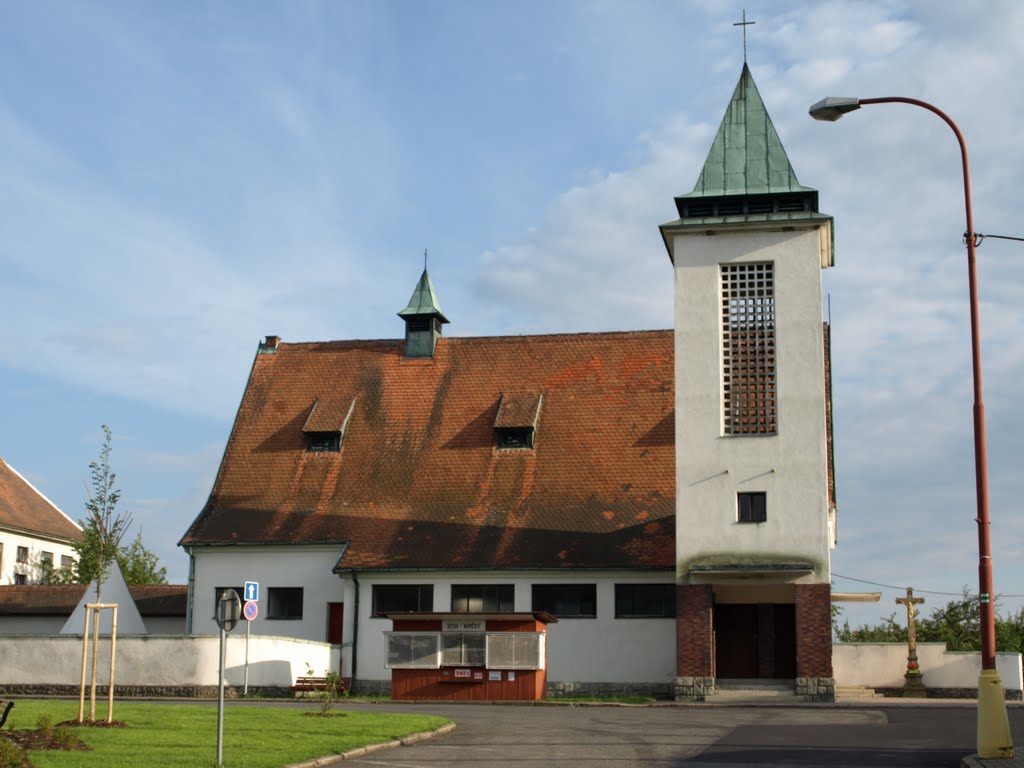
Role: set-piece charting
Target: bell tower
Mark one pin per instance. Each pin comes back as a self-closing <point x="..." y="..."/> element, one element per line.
<point x="755" y="517"/>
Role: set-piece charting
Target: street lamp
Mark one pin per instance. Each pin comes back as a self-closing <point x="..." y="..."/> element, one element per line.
<point x="994" y="739"/>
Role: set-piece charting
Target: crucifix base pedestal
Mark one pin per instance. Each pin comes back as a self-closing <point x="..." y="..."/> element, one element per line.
<point x="913" y="686"/>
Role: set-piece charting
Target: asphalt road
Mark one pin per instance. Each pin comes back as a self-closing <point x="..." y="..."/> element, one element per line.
<point x="495" y="736"/>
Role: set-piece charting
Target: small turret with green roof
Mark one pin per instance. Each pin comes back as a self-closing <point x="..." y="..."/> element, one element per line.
<point x="423" y="319"/>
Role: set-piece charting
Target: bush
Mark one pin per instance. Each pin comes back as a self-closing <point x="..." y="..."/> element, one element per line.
<point x="11" y="755"/>
<point x="44" y="725"/>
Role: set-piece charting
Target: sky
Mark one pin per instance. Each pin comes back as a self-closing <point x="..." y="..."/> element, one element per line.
<point x="182" y="179"/>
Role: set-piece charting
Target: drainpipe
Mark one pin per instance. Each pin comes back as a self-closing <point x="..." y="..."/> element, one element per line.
<point x="355" y="631"/>
<point x="191" y="590"/>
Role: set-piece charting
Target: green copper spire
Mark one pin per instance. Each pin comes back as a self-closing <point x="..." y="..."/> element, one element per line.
<point x="424" y="300"/>
<point x="747" y="157"/>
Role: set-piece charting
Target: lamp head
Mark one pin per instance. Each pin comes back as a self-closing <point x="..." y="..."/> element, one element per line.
<point x="834" y="107"/>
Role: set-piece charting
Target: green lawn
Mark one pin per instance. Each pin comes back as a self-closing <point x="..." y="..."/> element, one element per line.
<point x="172" y="735"/>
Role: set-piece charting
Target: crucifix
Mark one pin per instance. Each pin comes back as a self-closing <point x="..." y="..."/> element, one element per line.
<point x="744" y="24"/>
<point x="913" y="685"/>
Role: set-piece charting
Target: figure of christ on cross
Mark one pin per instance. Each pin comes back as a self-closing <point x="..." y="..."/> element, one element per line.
<point x="913" y="685"/>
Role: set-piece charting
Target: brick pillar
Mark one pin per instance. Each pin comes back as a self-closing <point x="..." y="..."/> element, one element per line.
<point x="695" y="650"/>
<point x="814" y="641"/>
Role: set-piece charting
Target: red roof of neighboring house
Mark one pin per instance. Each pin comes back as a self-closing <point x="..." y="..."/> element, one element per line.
<point x="419" y="481"/>
<point x="25" y="509"/>
<point x="61" y="600"/>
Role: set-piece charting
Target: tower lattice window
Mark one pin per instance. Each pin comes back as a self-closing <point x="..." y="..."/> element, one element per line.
<point x="749" y="399"/>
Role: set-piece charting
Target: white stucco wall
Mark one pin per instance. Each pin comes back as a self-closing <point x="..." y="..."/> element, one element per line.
<point x="882" y="665"/>
<point x="36" y="546"/>
<point x="164" y="661"/>
<point x="789" y="466"/>
<point x="307" y="566"/>
<point x="601" y="649"/>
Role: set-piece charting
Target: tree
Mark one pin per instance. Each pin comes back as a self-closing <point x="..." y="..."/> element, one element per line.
<point x="139" y="565"/>
<point x="104" y="526"/>
<point x="957" y="624"/>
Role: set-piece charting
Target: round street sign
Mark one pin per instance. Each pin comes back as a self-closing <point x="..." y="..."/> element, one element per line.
<point x="250" y="610"/>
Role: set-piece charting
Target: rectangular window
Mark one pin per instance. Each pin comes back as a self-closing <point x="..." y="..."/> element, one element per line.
<point x="515" y="650"/>
<point x="752" y="507"/>
<point x="566" y="600"/>
<point x="483" y="598"/>
<point x="636" y="601"/>
<point x="517" y="438"/>
<point x="495" y="650"/>
<point x="20" y="578"/>
<point x="284" y="603"/>
<point x="748" y="349"/>
<point x="46" y="557"/>
<point x="323" y="442"/>
<point x="67" y="562"/>
<point x="413" y="650"/>
<point x="463" y="649"/>
<point x="22" y="554"/>
<point x="401" y="598"/>
<point x="217" y="591"/>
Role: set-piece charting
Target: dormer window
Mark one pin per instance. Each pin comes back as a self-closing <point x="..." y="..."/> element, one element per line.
<point x="325" y="427"/>
<point x="516" y="422"/>
<point x="323" y="442"/>
<point x="515" y="438"/>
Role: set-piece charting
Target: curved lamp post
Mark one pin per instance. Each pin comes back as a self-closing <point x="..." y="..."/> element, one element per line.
<point x="994" y="739"/>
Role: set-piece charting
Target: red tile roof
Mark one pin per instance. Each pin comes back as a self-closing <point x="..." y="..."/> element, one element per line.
<point x="419" y="482"/>
<point x="61" y="600"/>
<point x="23" y="508"/>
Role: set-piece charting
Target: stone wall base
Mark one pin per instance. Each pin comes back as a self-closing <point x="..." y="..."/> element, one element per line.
<point x="563" y="690"/>
<point x="816" y="688"/>
<point x="949" y="693"/>
<point x="372" y="687"/>
<point x="694" y="688"/>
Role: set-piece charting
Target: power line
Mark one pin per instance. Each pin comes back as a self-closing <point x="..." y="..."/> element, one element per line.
<point x="925" y="591"/>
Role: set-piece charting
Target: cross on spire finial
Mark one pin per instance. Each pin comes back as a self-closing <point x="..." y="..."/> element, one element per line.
<point x="744" y="24"/>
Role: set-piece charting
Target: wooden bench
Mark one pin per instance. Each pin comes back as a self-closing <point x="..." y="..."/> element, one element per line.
<point x="314" y="685"/>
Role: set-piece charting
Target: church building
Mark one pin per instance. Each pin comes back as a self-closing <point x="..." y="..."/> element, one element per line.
<point x="665" y="495"/>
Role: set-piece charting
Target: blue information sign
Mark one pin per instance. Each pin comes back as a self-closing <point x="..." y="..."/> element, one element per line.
<point x="252" y="591"/>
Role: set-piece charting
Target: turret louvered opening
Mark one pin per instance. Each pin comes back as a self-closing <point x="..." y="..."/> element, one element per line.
<point x="732" y="205"/>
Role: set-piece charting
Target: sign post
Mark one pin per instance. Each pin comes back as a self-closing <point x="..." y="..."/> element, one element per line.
<point x="250" y="610"/>
<point x="229" y="607"/>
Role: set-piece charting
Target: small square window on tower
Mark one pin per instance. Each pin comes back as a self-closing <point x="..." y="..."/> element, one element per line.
<point x="752" y="507"/>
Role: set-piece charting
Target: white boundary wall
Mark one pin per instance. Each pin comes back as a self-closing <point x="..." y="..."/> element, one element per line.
<point x="165" y="661"/>
<point x="882" y="665"/>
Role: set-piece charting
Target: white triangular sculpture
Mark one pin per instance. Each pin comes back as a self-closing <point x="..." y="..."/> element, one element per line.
<point x="115" y="590"/>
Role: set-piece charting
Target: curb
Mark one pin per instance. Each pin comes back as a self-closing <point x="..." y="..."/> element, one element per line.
<point x="412" y="738"/>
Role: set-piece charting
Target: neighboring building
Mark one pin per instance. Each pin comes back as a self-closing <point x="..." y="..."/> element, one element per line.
<point x="44" y="609"/>
<point x="603" y="478"/>
<point x="32" y="530"/>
